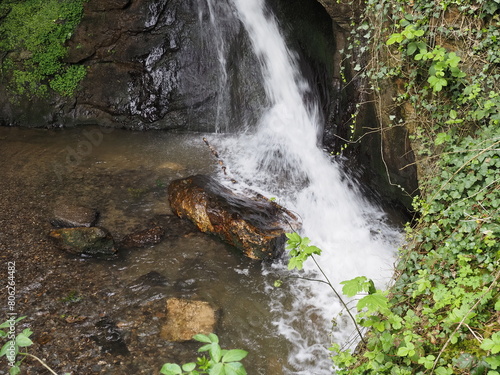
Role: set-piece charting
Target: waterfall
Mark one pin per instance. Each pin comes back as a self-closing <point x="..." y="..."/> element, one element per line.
<point x="281" y="158"/>
<point x="215" y="8"/>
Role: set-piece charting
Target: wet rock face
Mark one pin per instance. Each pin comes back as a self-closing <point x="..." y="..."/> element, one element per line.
<point x="139" y="53"/>
<point x="248" y="221"/>
<point x="156" y="64"/>
<point x="151" y="64"/>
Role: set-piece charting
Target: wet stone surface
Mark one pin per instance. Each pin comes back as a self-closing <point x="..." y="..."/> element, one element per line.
<point x="93" y="241"/>
<point x="68" y="215"/>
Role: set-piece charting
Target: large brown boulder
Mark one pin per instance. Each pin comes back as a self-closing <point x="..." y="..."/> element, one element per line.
<point x="247" y="220"/>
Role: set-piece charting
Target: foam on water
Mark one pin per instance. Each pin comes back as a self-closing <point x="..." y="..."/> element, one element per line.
<point x="282" y="159"/>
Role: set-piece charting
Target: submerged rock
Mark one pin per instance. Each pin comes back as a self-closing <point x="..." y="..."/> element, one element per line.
<point x="143" y="238"/>
<point x="109" y="338"/>
<point x="149" y="280"/>
<point x="186" y="318"/>
<point x="174" y="227"/>
<point x="83" y="240"/>
<point x="68" y="215"/>
<point x="246" y="220"/>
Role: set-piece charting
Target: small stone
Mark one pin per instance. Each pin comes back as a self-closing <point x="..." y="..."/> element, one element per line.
<point x="83" y="240"/>
<point x="71" y="216"/>
<point x="186" y="318"/>
<point x="172" y="166"/>
<point x="143" y="238"/>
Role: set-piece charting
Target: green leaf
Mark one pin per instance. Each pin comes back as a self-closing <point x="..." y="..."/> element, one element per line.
<point x="428" y="361"/>
<point x="493" y="361"/>
<point x="215" y="352"/>
<point x="171" y="369"/>
<point x="394" y="38"/>
<point x="14" y="370"/>
<point x="6" y="346"/>
<point x="406" y="351"/>
<point x="7" y="322"/>
<point x="218" y="369"/>
<point x="371" y="287"/>
<point x="442" y="138"/>
<point x="418" y="32"/>
<point x="23" y="340"/>
<point x="437" y="83"/>
<point x="295" y="263"/>
<point x="213" y="338"/>
<point x="492" y="344"/>
<point x="309" y="250"/>
<point x="354" y="286"/>
<point x="373" y="302"/>
<point x="234" y="368"/>
<point x="189" y="366"/>
<point x="202" y="338"/>
<point x="204" y="348"/>
<point x="457" y="72"/>
<point x="453" y="59"/>
<point x="443" y="371"/>
<point x="293" y="237"/>
<point x="234" y="355"/>
<point x="412" y="47"/>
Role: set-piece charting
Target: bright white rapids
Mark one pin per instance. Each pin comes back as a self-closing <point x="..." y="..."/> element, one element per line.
<point x="281" y="159"/>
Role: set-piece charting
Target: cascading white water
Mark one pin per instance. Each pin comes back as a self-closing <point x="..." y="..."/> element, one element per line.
<point x="281" y="159"/>
<point x="215" y="8"/>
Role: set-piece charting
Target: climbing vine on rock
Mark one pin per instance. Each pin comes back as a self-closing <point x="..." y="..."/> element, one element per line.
<point x="442" y="59"/>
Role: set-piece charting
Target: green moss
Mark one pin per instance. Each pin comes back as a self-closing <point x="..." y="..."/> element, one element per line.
<point x="32" y="39"/>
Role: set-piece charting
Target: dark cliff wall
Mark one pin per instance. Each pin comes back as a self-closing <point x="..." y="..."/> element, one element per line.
<point x="155" y="64"/>
<point x="151" y="64"/>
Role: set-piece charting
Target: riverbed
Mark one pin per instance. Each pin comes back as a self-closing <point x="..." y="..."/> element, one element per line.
<point x="104" y="316"/>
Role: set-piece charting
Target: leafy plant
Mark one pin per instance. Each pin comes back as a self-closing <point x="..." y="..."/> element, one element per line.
<point x="11" y="349"/>
<point x="300" y="250"/>
<point x="218" y="362"/>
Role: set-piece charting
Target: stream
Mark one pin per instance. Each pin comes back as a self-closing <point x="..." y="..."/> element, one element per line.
<point x="75" y="304"/>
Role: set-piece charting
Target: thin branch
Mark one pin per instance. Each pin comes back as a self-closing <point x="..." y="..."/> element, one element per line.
<point x="341" y="300"/>
<point x="39" y="360"/>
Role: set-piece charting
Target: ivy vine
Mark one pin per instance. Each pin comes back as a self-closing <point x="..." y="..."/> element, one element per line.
<point x="442" y="315"/>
